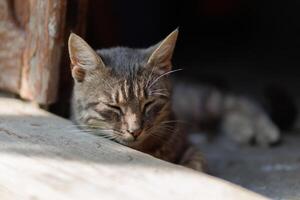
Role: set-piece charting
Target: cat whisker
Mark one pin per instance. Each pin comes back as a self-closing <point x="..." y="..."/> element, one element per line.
<point x="150" y="77"/>
<point x="116" y="132"/>
<point x="86" y="126"/>
<point x="76" y="129"/>
<point x="96" y="130"/>
<point x="66" y="127"/>
<point x="159" y="90"/>
<point x="80" y="131"/>
<point x="159" y="94"/>
<point x="167" y="129"/>
<point x="164" y="74"/>
<point x="160" y="137"/>
<point x="174" y="121"/>
<point x="72" y="125"/>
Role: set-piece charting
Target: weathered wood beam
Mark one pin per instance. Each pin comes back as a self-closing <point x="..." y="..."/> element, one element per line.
<point x="32" y="37"/>
<point x="43" y="49"/>
<point x="43" y="156"/>
<point x="12" y="43"/>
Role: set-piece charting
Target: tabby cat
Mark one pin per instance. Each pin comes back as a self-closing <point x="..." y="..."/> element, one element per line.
<point x="125" y="95"/>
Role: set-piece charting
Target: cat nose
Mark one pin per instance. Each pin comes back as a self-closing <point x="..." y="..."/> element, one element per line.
<point x="135" y="133"/>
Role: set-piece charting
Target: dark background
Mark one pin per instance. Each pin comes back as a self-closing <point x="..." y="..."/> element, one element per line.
<point x="250" y="47"/>
<point x="241" y="44"/>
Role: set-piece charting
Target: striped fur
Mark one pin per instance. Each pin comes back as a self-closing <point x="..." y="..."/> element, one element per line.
<point x="124" y="95"/>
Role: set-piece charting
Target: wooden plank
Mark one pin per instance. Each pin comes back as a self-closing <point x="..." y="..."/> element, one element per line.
<point x="44" y="42"/>
<point x="12" y="42"/>
<point x="43" y="156"/>
<point x="31" y="43"/>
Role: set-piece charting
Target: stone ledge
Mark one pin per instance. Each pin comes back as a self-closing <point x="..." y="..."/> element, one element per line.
<point x="43" y="156"/>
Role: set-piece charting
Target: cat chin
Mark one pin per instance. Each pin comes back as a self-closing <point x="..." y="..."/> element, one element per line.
<point x="130" y="143"/>
<point x="126" y="142"/>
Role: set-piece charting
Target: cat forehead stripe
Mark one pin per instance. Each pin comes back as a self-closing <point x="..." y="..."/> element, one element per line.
<point x="121" y="95"/>
<point x="126" y="89"/>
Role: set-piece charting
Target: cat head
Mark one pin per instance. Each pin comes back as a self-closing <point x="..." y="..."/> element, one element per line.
<point x="122" y="93"/>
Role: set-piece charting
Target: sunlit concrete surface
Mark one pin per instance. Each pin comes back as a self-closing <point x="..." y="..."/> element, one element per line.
<point x="43" y="156"/>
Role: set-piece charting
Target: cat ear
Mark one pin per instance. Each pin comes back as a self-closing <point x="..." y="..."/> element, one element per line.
<point x="83" y="57"/>
<point x="162" y="54"/>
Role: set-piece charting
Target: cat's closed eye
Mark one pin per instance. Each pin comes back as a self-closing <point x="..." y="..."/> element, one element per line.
<point x="152" y="108"/>
<point x="109" y="115"/>
<point x="147" y="106"/>
<point x="109" y="112"/>
<point x="115" y="108"/>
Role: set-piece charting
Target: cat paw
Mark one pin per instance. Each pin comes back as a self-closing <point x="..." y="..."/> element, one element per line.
<point x="243" y="129"/>
<point x="238" y="128"/>
<point x="245" y="121"/>
<point x="266" y="132"/>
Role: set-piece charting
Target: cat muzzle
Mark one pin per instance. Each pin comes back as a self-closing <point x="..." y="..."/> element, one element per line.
<point x="135" y="133"/>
